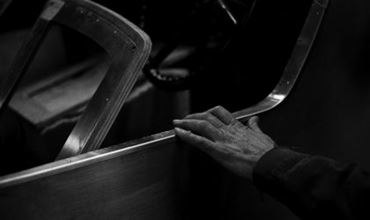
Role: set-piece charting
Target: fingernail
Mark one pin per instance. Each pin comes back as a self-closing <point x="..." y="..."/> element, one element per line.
<point x="179" y="130"/>
<point x="254" y="119"/>
<point x="176" y="121"/>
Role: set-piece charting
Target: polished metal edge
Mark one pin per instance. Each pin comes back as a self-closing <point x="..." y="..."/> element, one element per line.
<point x="54" y="7"/>
<point x="295" y="64"/>
<point x="281" y="91"/>
<point x="87" y="134"/>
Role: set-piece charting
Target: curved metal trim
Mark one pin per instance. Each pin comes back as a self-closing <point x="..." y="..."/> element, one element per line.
<point x="281" y="91"/>
<point x="129" y="48"/>
<point x="127" y="45"/>
<point x="294" y="65"/>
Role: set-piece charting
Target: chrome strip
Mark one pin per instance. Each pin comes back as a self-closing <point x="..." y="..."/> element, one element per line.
<point x="54" y="7"/>
<point x="294" y="65"/>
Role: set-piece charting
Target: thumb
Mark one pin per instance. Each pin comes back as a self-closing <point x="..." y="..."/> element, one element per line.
<point x="253" y="123"/>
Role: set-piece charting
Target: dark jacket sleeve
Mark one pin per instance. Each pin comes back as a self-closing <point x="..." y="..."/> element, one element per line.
<point x="314" y="187"/>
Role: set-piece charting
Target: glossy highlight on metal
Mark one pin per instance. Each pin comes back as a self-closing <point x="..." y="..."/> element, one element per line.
<point x="294" y="65"/>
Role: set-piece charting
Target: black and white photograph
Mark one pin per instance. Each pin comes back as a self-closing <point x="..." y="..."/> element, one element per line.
<point x="185" y="109"/>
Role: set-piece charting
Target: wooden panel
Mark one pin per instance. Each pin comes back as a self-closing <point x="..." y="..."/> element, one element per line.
<point x="111" y="184"/>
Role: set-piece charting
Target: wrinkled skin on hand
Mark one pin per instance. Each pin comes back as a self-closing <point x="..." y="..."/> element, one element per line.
<point x="236" y="146"/>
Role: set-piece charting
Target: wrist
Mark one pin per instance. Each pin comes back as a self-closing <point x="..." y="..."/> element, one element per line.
<point x="274" y="163"/>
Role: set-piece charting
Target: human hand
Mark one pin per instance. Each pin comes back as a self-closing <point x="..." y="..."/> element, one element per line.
<point x="236" y="146"/>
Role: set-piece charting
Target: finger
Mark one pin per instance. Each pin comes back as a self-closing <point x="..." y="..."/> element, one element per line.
<point x="194" y="140"/>
<point x="222" y="114"/>
<point x="253" y="123"/>
<point x="207" y="116"/>
<point x="203" y="144"/>
<point x="200" y="127"/>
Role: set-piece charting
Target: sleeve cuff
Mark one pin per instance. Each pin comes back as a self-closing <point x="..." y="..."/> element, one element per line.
<point x="271" y="167"/>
